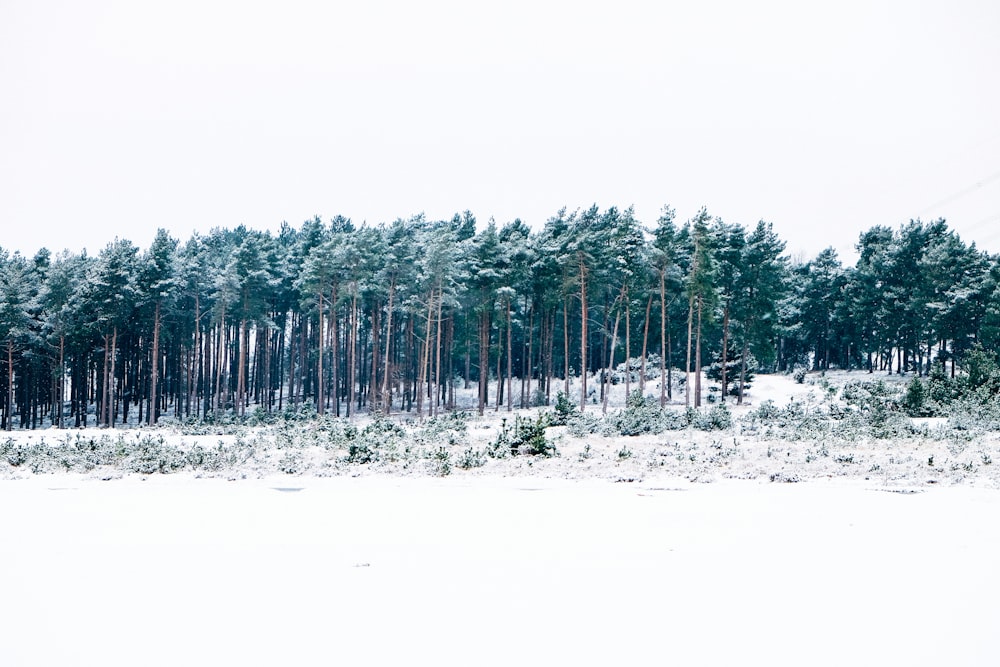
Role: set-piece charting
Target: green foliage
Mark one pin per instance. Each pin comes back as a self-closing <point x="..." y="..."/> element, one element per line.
<point x="915" y="400"/>
<point x="982" y="374"/>
<point x="525" y="437"/>
<point x="440" y="462"/>
<point x="563" y="411"/>
<point x="471" y="458"/>
<point x="734" y="364"/>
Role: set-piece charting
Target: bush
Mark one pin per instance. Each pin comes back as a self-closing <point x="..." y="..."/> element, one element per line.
<point x="915" y="402"/>
<point x="640" y="415"/>
<point x="440" y="461"/>
<point x="526" y="437"/>
<point x="717" y="419"/>
<point x="471" y="458"/>
<point x="564" y="410"/>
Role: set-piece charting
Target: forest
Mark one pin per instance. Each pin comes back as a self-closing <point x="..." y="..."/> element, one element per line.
<point x="341" y="318"/>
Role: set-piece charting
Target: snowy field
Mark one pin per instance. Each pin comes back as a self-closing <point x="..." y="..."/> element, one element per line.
<point x="382" y="570"/>
<point x="685" y="551"/>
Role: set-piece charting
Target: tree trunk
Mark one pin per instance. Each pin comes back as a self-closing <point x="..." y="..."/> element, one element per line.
<point x="112" y="411"/>
<point x="320" y="403"/>
<point x="9" y="416"/>
<point x="687" y="362"/>
<point x="664" y="378"/>
<point x="386" y="390"/>
<point x="510" y="361"/>
<point x="437" y="355"/>
<point x="352" y="351"/>
<point x="645" y="341"/>
<point x="154" y="369"/>
<point x="425" y="356"/>
<point x="611" y="365"/>
<point x="566" y="347"/>
<point x="628" y="346"/>
<point x="697" y="359"/>
<point x="725" y="344"/>
<point x="583" y="336"/>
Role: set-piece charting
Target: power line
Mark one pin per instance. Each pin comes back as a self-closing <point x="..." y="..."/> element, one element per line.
<point x="961" y="193"/>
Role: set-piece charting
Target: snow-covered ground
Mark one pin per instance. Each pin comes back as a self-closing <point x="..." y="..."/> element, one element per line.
<point x="170" y="570"/>
<point x="590" y="557"/>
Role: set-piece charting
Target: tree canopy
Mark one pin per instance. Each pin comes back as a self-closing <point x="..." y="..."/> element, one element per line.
<point x="340" y="317"/>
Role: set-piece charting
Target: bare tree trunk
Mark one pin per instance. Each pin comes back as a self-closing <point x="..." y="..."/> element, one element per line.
<point x="437" y="355"/>
<point x="664" y="378"/>
<point x="10" y="385"/>
<point x="510" y="361"/>
<point x="484" y="360"/>
<point x="611" y="364"/>
<point x="240" y="372"/>
<point x="154" y="370"/>
<point x="697" y="359"/>
<point x="628" y="346"/>
<point x="334" y="352"/>
<point x="645" y="341"/>
<point x="583" y="337"/>
<point x="112" y="411"/>
<point x="386" y="392"/>
<point x="566" y="347"/>
<point x="320" y="403"/>
<point x="725" y="345"/>
<point x="499" y="398"/>
<point x="526" y="367"/>
<point x="425" y="356"/>
<point x="352" y="351"/>
<point x="105" y="413"/>
<point x="687" y="362"/>
<point x="218" y="365"/>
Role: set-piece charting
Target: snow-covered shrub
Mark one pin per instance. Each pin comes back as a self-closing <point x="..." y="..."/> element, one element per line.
<point x="525" y="437"/>
<point x="148" y="455"/>
<point x="871" y="395"/>
<point x="291" y="463"/>
<point x="915" y="400"/>
<point x="471" y="458"/>
<point x="440" y="462"/>
<point x="716" y="419"/>
<point x="563" y="411"/>
<point x="640" y="415"/>
<point x="582" y="424"/>
<point x="450" y="428"/>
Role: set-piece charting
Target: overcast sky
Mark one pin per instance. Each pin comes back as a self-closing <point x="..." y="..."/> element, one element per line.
<point x="121" y="117"/>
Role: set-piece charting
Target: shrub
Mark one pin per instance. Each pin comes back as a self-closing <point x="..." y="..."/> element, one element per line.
<point x="471" y="458"/>
<point x="915" y="399"/>
<point x="640" y="415"/>
<point x="440" y="462"/>
<point x="526" y="437"/>
<point x="717" y="419"/>
<point x="564" y="410"/>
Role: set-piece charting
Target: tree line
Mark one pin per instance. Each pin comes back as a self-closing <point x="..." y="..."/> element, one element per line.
<point x="341" y="318"/>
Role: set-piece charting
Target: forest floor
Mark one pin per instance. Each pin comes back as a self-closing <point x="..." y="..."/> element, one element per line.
<point x="916" y="453"/>
<point x="683" y="547"/>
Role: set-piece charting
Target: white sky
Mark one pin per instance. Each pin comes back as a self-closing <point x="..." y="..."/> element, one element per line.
<point x="117" y="118"/>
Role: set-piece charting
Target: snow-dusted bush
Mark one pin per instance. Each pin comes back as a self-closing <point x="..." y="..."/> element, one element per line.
<point x="451" y="428"/>
<point x="717" y="418"/>
<point x="525" y="437"/>
<point x="640" y="415"/>
<point x="563" y="411"/>
<point x="471" y="458"/>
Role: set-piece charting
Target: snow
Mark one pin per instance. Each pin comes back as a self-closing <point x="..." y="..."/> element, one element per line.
<point x="382" y="570"/>
<point x="552" y="563"/>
